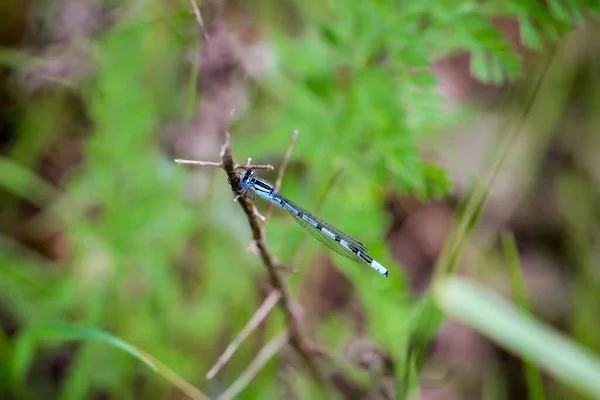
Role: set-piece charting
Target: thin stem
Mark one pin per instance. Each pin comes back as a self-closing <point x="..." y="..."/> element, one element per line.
<point x="202" y="163"/>
<point x="258" y="317"/>
<point x="220" y="164"/>
<point x="284" y="163"/>
<point x="298" y="340"/>
<point x="265" y="354"/>
<point x="199" y="20"/>
<point x="175" y="379"/>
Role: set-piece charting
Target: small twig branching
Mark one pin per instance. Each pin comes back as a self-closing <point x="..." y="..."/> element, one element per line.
<point x="263" y="356"/>
<point x="297" y="339"/>
<point x="220" y="164"/>
<point x="258" y="317"/>
<point x="284" y="163"/>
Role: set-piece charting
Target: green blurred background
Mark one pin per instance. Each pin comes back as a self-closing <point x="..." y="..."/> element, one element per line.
<point x="456" y="138"/>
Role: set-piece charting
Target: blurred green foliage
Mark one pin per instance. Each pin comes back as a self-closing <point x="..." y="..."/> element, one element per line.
<point x="171" y="276"/>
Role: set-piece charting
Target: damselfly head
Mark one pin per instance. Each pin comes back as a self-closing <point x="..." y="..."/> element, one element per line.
<point x="248" y="176"/>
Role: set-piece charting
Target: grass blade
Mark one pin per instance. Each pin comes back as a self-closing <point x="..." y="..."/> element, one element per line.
<point x="31" y="337"/>
<point x="533" y="378"/>
<point x="521" y="334"/>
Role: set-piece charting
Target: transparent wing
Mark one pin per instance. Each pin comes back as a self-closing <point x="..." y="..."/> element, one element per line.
<point x="359" y="245"/>
<point x="326" y="240"/>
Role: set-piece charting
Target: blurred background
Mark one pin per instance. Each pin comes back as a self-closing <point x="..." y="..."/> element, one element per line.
<point x="421" y="124"/>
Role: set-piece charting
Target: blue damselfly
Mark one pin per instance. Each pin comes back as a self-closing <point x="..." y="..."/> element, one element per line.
<point x="331" y="237"/>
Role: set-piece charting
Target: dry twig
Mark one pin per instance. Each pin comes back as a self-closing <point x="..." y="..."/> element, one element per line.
<point x="297" y="339"/>
<point x="255" y="366"/>
<point x="199" y="20"/>
<point x="284" y="163"/>
<point x="307" y="350"/>
<point x="220" y="164"/>
<point x="174" y="378"/>
<point x="254" y="322"/>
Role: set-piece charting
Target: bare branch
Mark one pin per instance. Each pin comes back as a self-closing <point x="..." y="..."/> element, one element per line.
<point x="298" y="340"/>
<point x="258" y="317"/>
<point x="284" y="163"/>
<point x="220" y="164"/>
<point x="255" y="166"/>
<point x="202" y="163"/>
<point x="265" y="354"/>
<point x="286" y="159"/>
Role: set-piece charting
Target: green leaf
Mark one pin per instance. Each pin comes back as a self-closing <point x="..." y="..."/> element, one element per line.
<point x="30" y="338"/>
<point x="520" y="333"/>
<point x="576" y="12"/>
<point x="23" y="183"/>
<point x="529" y="35"/>
<point x="479" y="65"/>
<point x="533" y="377"/>
<point x="558" y="11"/>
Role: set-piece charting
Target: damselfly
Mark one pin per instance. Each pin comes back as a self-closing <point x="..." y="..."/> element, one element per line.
<point x="327" y="234"/>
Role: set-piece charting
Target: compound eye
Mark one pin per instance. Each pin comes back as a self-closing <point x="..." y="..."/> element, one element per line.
<point x="248" y="175"/>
